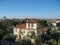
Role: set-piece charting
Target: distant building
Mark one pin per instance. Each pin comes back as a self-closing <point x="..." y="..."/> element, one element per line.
<point x="57" y="21"/>
<point x="52" y="21"/>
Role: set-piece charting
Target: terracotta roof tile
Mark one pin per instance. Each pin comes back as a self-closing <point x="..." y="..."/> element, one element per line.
<point x="52" y="21"/>
<point x="44" y="29"/>
<point x="32" y="21"/>
<point x="20" y="26"/>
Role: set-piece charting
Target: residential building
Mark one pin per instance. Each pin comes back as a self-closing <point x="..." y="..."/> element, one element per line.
<point x="32" y="25"/>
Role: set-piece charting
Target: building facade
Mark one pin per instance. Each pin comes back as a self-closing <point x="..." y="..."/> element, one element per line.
<point x="32" y="27"/>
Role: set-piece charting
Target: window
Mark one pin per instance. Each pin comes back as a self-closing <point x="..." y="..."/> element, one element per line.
<point x="28" y="25"/>
<point x="15" y="30"/>
<point x="32" y="26"/>
<point x="23" y="31"/>
<point x="20" y="31"/>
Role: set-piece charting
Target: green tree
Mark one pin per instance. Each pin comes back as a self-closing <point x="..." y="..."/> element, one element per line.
<point x="2" y="33"/>
<point x="8" y="38"/>
<point x="55" y="35"/>
<point x="52" y="42"/>
<point x="13" y="23"/>
<point x="38" y="40"/>
<point x="31" y="34"/>
<point x="43" y="23"/>
<point x="59" y="41"/>
<point x="26" y="41"/>
<point x="45" y="38"/>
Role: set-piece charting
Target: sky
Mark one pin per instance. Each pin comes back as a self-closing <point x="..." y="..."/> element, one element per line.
<point x="30" y="8"/>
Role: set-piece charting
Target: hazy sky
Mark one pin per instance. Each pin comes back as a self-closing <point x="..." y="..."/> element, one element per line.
<point x="30" y="8"/>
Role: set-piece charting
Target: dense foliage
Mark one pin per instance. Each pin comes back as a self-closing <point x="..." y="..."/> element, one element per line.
<point x="52" y="37"/>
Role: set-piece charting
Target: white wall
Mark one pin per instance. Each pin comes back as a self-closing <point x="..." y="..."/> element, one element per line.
<point x="34" y="26"/>
<point x="16" y="31"/>
<point x="26" y="32"/>
<point x="26" y="25"/>
<point x="58" y="21"/>
<point x="54" y="24"/>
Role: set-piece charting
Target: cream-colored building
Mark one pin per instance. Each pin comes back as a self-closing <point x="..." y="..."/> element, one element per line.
<point x="24" y="30"/>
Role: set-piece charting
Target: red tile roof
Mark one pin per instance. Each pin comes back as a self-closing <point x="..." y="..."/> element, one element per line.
<point x="20" y="26"/>
<point x="52" y="21"/>
<point x="44" y="29"/>
<point x="32" y="21"/>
